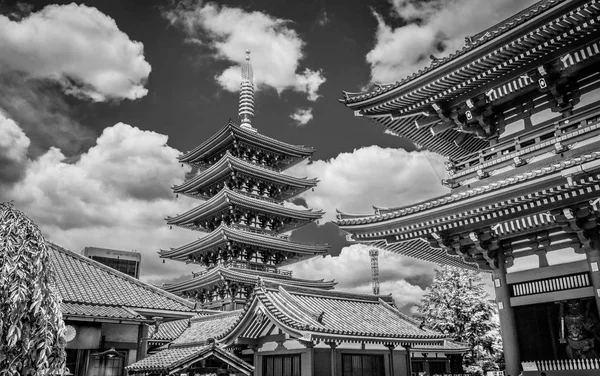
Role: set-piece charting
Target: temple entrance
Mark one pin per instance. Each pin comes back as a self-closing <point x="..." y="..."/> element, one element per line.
<point x="568" y="330"/>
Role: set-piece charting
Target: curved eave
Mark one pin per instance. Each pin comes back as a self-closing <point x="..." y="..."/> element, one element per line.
<point x="226" y="197"/>
<point x="231" y="132"/>
<point x="228" y="164"/>
<point x="250" y="277"/>
<point x="447" y="65"/>
<point x="548" y="172"/>
<point x="223" y="233"/>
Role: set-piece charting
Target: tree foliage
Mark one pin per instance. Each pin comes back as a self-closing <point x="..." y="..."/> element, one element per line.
<point x="457" y="305"/>
<point x="31" y="324"/>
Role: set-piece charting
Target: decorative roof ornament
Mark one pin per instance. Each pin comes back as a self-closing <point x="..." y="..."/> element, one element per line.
<point x="246" y="107"/>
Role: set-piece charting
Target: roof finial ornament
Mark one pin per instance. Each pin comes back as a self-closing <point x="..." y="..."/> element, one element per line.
<point x="246" y="107"/>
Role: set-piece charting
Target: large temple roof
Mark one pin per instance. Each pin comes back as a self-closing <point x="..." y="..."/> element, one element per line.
<point x="90" y="290"/>
<point x="309" y="314"/>
<point x="232" y="132"/>
<point x="492" y="65"/>
<point x="227" y="197"/>
<point x="224" y="234"/>
<point x="251" y="277"/>
<point x="228" y="164"/>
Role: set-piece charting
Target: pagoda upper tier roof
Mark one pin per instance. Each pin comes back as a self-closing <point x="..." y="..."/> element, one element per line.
<point x="228" y="164"/>
<point x="224" y="234"/>
<point x="316" y="315"/>
<point x="490" y="65"/>
<point x="231" y="132"/>
<point x="227" y="197"/>
<point x="244" y="276"/>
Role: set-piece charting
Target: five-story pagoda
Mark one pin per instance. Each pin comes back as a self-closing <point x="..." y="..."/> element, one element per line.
<point x="239" y="178"/>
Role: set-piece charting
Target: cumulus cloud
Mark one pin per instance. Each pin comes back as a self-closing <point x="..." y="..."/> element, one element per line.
<point x="77" y="46"/>
<point x="302" y="116"/>
<point x="428" y="30"/>
<point x="276" y="48"/>
<point x="13" y="150"/>
<point x="353" y="182"/>
<point x="115" y="196"/>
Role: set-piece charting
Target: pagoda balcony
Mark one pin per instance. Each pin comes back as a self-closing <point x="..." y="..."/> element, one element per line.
<point x="553" y="136"/>
<point x="247" y="266"/>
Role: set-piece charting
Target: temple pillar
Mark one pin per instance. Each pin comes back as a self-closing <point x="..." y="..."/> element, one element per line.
<point x="592" y="255"/>
<point x="507" y="319"/>
<point x="333" y="346"/>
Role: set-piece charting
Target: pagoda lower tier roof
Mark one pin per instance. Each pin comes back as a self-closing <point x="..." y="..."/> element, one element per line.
<point x="224" y="234"/>
<point x="227" y="197"/>
<point x="310" y="315"/>
<point x="229" y="164"/>
<point x="232" y="132"/>
<point x="244" y="276"/>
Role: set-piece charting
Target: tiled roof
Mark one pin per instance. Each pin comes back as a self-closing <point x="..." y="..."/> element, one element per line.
<point x="89" y="288"/>
<point x="232" y="132"/>
<point x="385" y="214"/>
<point x="168" y="331"/>
<point x="333" y="314"/>
<point x="476" y="41"/>
<point x="224" y="233"/>
<point x="201" y="329"/>
<point x="92" y="311"/>
<point x="173" y="357"/>
<point x="247" y="276"/>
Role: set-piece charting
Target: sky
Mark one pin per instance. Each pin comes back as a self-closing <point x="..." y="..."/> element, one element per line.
<point x="98" y="98"/>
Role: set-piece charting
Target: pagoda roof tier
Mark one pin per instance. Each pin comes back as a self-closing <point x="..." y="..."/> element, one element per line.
<point x="217" y="275"/>
<point x="507" y="206"/>
<point x="232" y="134"/>
<point x="224" y="235"/>
<point x="311" y="315"/>
<point x="226" y="201"/>
<point x="229" y="165"/>
<point x="494" y="65"/>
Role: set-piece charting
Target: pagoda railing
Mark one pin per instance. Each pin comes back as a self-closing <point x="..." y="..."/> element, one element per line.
<point x="259" y="197"/>
<point x="259" y="231"/>
<point x="567" y="364"/>
<point x="543" y="138"/>
<point x="258" y="267"/>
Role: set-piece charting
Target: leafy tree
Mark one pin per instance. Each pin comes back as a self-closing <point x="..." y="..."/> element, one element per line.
<point x="457" y="305"/>
<point x="31" y="324"/>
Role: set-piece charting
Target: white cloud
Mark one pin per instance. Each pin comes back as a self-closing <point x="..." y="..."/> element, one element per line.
<point x="77" y="46"/>
<point x="302" y="116"/>
<point x="353" y="182"/>
<point x="13" y="151"/>
<point x="116" y="196"/>
<point x="276" y="48"/>
<point x="430" y="30"/>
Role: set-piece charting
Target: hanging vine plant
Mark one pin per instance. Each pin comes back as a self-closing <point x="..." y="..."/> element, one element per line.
<point x="31" y="325"/>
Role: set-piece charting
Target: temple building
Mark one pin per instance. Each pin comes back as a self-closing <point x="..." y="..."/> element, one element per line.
<point x="237" y="173"/>
<point x="517" y="113"/>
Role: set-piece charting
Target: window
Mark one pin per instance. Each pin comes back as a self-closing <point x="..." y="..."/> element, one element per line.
<point x="110" y="365"/>
<point x="281" y="365"/>
<point x="362" y="365"/>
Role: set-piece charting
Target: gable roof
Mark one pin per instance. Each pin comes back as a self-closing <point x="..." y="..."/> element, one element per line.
<point x="179" y="358"/>
<point x="202" y="329"/>
<point x="310" y="314"/>
<point x="91" y="289"/>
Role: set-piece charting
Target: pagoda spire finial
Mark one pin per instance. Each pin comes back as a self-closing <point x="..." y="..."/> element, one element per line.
<point x="246" y="108"/>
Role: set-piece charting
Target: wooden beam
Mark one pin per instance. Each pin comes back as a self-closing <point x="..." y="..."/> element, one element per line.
<point x="425" y="122"/>
<point x="440" y="128"/>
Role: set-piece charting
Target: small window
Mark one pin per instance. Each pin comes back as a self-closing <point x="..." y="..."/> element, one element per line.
<point x="362" y="365"/>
